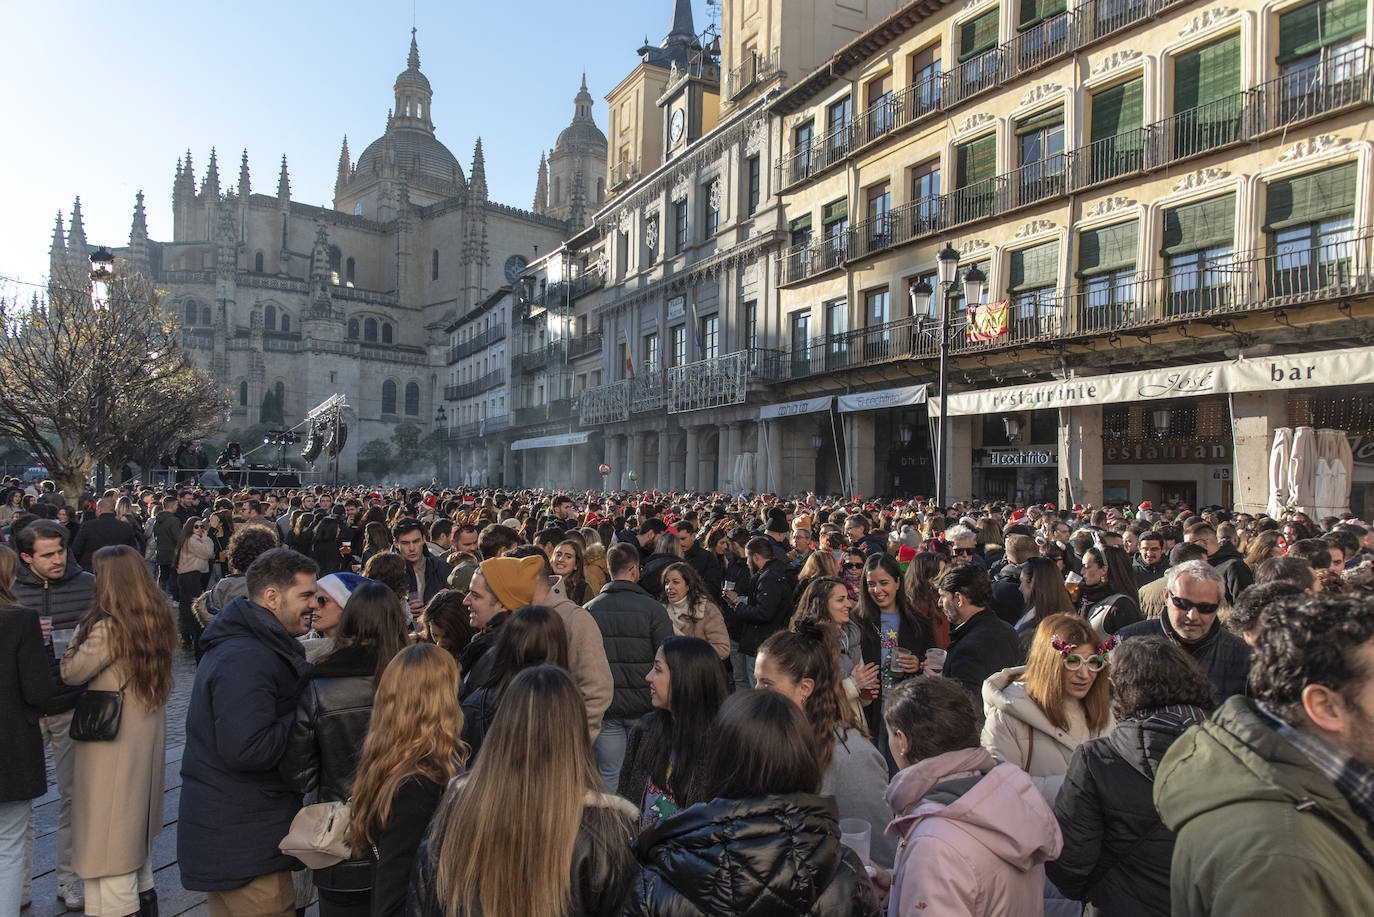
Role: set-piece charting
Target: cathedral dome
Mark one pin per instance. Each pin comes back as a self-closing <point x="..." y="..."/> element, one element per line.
<point x="582" y="135"/>
<point x="418" y="153"/>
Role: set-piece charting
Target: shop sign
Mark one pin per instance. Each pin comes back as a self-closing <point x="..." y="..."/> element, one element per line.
<point x="1021" y="458"/>
<point x="795" y="408"/>
<point x="887" y="398"/>
<point x="1305" y="370"/>
<point x="550" y="442"/>
<point x="1144" y="453"/>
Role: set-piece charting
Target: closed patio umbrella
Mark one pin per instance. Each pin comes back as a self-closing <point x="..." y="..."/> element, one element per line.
<point x="1278" y="470"/>
<point x="1302" y="472"/>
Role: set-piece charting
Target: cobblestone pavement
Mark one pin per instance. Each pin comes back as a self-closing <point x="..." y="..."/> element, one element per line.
<point x="172" y="898"/>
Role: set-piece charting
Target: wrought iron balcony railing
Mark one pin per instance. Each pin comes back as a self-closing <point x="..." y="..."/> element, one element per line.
<point x="754" y="69"/>
<point x="477" y="343"/>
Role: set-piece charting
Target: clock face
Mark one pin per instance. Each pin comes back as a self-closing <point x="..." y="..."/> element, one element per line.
<point x="514" y="265"/>
<point x="676" y="125"/>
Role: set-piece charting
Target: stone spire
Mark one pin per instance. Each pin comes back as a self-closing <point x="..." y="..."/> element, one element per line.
<point x="209" y="189"/>
<point x="57" y="252"/>
<point x="541" y="186"/>
<point x="413" y="59"/>
<point x="138" y="232"/>
<point x="76" y="237"/>
<point x="189" y="176"/>
<point x="683" y="30"/>
<point x="477" y="177"/>
<point x="245" y="184"/>
<point x="344" y="168"/>
<point x="176" y="184"/>
<point x="283" y="183"/>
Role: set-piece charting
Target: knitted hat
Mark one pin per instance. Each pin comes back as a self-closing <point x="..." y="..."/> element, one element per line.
<point x="777" y="522"/>
<point x="511" y="579"/>
<point x="339" y="586"/>
<point x="460" y="578"/>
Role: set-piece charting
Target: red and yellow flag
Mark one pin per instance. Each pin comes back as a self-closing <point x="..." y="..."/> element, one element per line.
<point x="988" y="321"/>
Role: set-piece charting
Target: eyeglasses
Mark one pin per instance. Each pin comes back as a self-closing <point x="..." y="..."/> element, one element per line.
<point x="853" y="566"/>
<point x="966" y="552"/>
<point x="1073" y="662"/>
<point x="1202" y="608"/>
<point x="197" y="528"/>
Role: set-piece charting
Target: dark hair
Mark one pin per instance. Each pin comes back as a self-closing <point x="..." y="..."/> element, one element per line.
<point x="1254" y="599"/>
<point x="550" y="535"/>
<point x="1120" y="574"/>
<point x="495" y="539"/>
<point x="969" y="580"/>
<point x="809" y="651"/>
<point x="1151" y="672"/>
<point x="389" y="569"/>
<point x="277" y="569"/>
<point x="407" y="525"/>
<point x="1048" y="595"/>
<point x="1287" y="568"/>
<point x="1149" y="535"/>
<point x="249" y="541"/>
<point x="761" y="546"/>
<point x="533" y="635"/>
<point x="40" y="528"/>
<point x="935" y="714"/>
<point x="439" y="528"/>
<point x="696" y="691"/>
<point x="372" y="618"/>
<point x="1310" y="640"/>
<point x="656" y="526"/>
<point x="696" y="589"/>
<point x="1185" y="551"/>
<point x="621" y="557"/>
<point x="1314" y="551"/>
<point x="447" y="614"/>
<point x="868" y="614"/>
<point x="761" y="746"/>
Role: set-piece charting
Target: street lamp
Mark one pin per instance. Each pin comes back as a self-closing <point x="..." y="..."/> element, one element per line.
<point x="1012" y="424"/>
<point x="102" y="269"/>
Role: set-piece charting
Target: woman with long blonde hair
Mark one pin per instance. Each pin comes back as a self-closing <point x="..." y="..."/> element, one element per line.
<point x="529" y="832"/>
<point x="123" y="643"/>
<point x="411" y="752"/>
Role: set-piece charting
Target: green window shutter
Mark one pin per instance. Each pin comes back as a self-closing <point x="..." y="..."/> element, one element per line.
<point x="976" y="161"/>
<point x="1200" y="225"/>
<point x="1207" y="74"/>
<point x="802" y="224"/>
<point x="835" y="212"/>
<point x="978" y="35"/>
<point x="1040" y="120"/>
<point x="1111" y="248"/>
<point x="1034" y="12"/>
<point x="1118" y="110"/>
<point x="1035" y="268"/>
<point x="1311" y="197"/>
<point x="1326" y="22"/>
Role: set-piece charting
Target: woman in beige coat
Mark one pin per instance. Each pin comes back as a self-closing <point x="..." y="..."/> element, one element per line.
<point x="692" y="610"/>
<point x="124" y="643"/>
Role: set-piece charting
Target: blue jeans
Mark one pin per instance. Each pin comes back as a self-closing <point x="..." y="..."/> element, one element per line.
<point x="610" y="750"/>
<point x="749" y="668"/>
<point x="14" y="825"/>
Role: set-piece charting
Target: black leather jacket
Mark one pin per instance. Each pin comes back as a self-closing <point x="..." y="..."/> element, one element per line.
<point x="791" y="845"/>
<point x="331" y="722"/>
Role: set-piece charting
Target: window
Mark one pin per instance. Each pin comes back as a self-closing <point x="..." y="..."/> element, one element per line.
<point x="835" y="230"/>
<point x="1043" y="31"/>
<point x="975" y="173"/>
<point x="977" y="47"/>
<point x="335" y="262"/>
<point x="1208" y="104"/>
<point x="352" y="329"/>
<point x="412" y="399"/>
<point x="269" y="318"/>
<point x="803" y="139"/>
<point x="879" y="199"/>
<point x="751" y="324"/>
<point x="1199" y="240"/>
<point x="800" y="258"/>
<point x="285" y="322"/>
<point x="388" y="397"/>
<point x="651" y="238"/>
<point x="257" y="263"/>
<point x="1034" y="285"/>
<point x="434" y="265"/>
<point x="753" y="185"/>
<point x="192" y="312"/>
<point x="243" y="394"/>
<point x="1309" y="225"/>
<point x="279" y="389"/>
<point x="925" y="80"/>
<point x="925" y="194"/>
<point x="881" y="115"/>
<point x="800" y="329"/>
<point x="679" y="226"/>
<point x="1320" y="55"/>
<point x="876" y="308"/>
<point x="651" y="355"/>
<point x="370" y="329"/>
<point x="205" y="315"/>
<point x="386" y="333"/>
<point x="1040" y="145"/>
<point x="1106" y="271"/>
<point x="708" y="338"/>
<point x="837" y="129"/>
<point x="836" y="324"/>
<point x="710" y="208"/>
<point x="350" y="270"/>
<point x="1117" y="136"/>
<point x="677" y="341"/>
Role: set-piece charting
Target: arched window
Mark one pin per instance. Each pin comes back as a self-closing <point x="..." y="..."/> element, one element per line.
<point x="386" y="332"/>
<point x="257" y="262"/>
<point x="412" y="399"/>
<point x="349" y="270"/>
<point x="388" y="397"/>
<point x="269" y="318"/>
<point x="352" y="329"/>
<point x="434" y="265"/>
<point x="285" y="322"/>
<point x="192" y="311"/>
<point x="370" y="329"/>
<point x="280" y="390"/>
<point x="243" y="394"/>
<point x="557" y="191"/>
<point x="335" y="258"/>
<point x="205" y="315"/>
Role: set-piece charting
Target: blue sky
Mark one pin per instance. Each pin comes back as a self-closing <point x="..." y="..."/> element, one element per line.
<point x="103" y="98"/>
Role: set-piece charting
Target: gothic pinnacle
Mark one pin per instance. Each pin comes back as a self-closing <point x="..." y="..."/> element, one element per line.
<point x="245" y="184"/>
<point x="283" y="182"/>
<point x="413" y="61"/>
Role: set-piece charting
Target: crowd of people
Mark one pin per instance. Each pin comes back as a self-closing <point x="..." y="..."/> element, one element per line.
<point x="592" y="704"/>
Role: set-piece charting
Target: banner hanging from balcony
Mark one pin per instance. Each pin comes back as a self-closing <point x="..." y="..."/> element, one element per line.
<point x="887" y="398"/>
<point x="1354" y="366"/>
<point x="988" y="321"/>
<point x="795" y="408"/>
<point x="550" y="442"/>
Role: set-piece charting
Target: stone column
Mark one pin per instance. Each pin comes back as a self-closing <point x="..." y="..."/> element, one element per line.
<point x="859" y="447"/>
<point x="636" y="461"/>
<point x="693" y="459"/>
<point x="731" y="449"/>
<point x="1255" y="417"/>
<point x="960" y="457"/>
<point x="620" y="463"/>
<point x="773" y="482"/>
<point x="1080" y="455"/>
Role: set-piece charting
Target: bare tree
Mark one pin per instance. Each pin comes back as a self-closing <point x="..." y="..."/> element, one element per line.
<point x="83" y="378"/>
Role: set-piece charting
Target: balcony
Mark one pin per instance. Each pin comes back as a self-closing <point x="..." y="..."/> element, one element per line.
<point x="483" y="427"/>
<point x="560" y="409"/>
<point x="755" y="69"/>
<point x="491" y="380"/>
<point x="1246" y="282"/>
<point x="604" y="404"/>
<point x="1339" y="82"/>
<point x="812" y="258"/>
<point x="1100" y="18"/>
<point x="553" y="354"/>
<point x="476" y="343"/>
<point x="718" y="382"/>
<point x="624" y="172"/>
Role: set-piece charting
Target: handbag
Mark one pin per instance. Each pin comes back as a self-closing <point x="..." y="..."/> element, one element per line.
<point x="96" y="717"/>
<point x="319" y="834"/>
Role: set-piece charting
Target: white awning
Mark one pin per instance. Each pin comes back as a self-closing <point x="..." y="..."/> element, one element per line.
<point x="795" y="408"/>
<point x="550" y="442"/>
<point x="887" y="398"/>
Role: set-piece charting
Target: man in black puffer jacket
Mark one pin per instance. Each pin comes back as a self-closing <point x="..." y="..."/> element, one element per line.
<point x="54" y="586"/>
<point x="767" y="611"/>
<point x="1224" y="558"/>
<point x="633" y="626"/>
<point x="235" y="806"/>
<point x="1117" y="853"/>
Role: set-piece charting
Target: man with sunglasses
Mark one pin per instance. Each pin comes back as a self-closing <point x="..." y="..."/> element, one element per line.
<point x="1193" y="594"/>
<point x="963" y="545"/>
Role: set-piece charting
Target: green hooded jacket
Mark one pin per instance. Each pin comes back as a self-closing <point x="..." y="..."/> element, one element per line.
<point x="1260" y="830"/>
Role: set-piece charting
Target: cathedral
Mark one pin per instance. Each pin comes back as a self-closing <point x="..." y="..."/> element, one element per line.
<point x="288" y="303"/>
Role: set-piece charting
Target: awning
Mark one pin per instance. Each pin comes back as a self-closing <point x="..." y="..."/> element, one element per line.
<point x="1352" y="366"/>
<point x="795" y="408"/>
<point x="887" y="398"/>
<point x="550" y="442"/>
